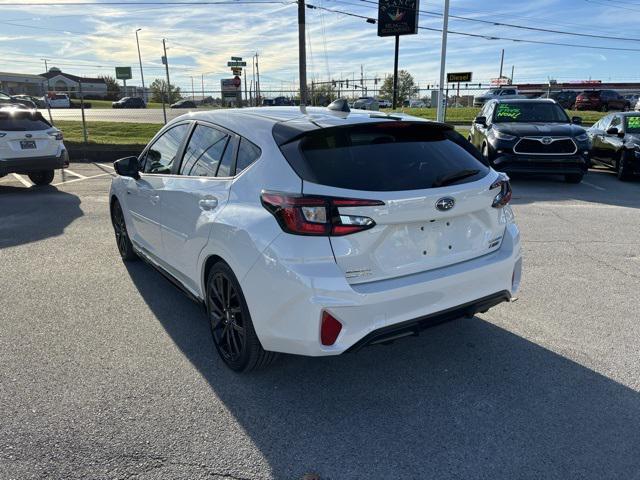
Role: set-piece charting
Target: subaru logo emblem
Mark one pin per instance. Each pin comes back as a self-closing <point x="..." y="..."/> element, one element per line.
<point x="445" y="203"/>
<point x="28" y="135"/>
<point x="547" y="140"/>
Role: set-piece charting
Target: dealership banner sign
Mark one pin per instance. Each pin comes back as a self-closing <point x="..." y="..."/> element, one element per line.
<point x="397" y="17"/>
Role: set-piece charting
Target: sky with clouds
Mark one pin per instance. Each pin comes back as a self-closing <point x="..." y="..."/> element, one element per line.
<point x="91" y="39"/>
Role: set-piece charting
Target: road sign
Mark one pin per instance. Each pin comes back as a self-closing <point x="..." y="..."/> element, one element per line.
<point x="123" y="73"/>
<point x="236" y="71"/>
<point x="236" y="64"/>
<point x="237" y="82"/>
<point x="239" y="59"/>
<point x="464" y="77"/>
<point x="397" y="17"/>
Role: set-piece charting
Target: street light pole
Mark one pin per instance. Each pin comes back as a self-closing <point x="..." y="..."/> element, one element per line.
<point x="443" y="60"/>
<point x="144" y="92"/>
<point x="302" y="53"/>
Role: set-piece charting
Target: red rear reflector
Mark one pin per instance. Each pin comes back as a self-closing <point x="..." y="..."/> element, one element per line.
<point x="330" y="328"/>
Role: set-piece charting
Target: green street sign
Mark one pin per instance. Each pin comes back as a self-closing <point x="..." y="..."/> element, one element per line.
<point x="236" y="64"/>
<point x="238" y="59"/>
<point x="123" y="73"/>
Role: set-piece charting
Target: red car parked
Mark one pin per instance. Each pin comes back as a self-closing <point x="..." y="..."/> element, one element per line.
<point x="602" y="100"/>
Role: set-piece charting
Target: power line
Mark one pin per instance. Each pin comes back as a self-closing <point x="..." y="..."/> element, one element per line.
<point x="485" y="37"/>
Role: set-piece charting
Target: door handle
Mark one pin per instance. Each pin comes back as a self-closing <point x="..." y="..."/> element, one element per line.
<point x="208" y="203"/>
<point x="154" y="199"/>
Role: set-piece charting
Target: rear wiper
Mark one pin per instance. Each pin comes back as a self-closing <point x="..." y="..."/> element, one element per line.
<point x="454" y="177"/>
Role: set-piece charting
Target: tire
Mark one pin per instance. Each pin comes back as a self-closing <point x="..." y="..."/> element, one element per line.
<point x="573" y="177"/>
<point x="623" y="172"/>
<point x="44" y="177"/>
<point x="125" y="247"/>
<point x="604" y="108"/>
<point x="232" y="330"/>
<point x="626" y="108"/>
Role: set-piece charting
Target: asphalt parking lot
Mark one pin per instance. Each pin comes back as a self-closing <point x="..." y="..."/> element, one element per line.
<point x="108" y="371"/>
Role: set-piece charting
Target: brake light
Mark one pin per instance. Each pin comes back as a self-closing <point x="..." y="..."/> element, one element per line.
<point x="504" y="197"/>
<point x="316" y="215"/>
<point x="330" y="328"/>
<point x="56" y="134"/>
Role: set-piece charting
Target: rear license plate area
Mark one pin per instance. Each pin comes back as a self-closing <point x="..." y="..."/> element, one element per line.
<point x="27" y="144"/>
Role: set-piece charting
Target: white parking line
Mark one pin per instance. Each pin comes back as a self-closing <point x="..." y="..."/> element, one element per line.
<point x="81" y="179"/>
<point x="594" y="186"/>
<point x="66" y="170"/>
<point x="23" y="180"/>
<point x="99" y="165"/>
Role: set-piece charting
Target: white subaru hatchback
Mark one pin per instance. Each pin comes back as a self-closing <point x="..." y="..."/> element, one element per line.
<point x="318" y="232"/>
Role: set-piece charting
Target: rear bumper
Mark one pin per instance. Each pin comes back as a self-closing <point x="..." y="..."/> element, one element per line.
<point x="547" y="164"/>
<point x="33" y="164"/>
<point x="287" y="296"/>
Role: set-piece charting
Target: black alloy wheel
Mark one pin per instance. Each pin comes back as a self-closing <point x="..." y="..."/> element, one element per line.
<point x="122" y="236"/>
<point x="231" y="327"/>
<point x="623" y="169"/>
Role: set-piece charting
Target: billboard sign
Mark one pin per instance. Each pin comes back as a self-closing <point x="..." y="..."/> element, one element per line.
<point x="461" y="77"/>
<point x="123" y="73"/>
<point x="230" y="88"/>
<point x="397" y="17"/>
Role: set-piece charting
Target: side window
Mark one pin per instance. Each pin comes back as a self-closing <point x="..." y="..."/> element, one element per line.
<point x="162" y="154"/>
<point x="204" y="152"/>
<point x="616" y="122"/>
<point x="489" y="112"/>
<point x="247" y="154"/>
<point x="227" y="160"/>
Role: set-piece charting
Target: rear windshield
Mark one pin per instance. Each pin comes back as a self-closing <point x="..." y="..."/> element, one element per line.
<point x="21" y="121"/>
<point x="388" y="156"/>
<point x="633" y="125"/>
<point x="530" y="112"/>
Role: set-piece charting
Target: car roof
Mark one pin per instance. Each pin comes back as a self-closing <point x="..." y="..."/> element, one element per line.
<point x="525" y="100"/>
<point x="254" y="123"/>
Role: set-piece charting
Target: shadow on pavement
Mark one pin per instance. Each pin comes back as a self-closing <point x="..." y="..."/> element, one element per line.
<point x="32" y="214"/>
<point x="599" y="186"/>
<point x="465" y="400"/>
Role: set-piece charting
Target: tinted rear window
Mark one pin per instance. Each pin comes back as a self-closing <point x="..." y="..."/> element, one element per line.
<point x="384" y="156"/>
<point x="18" y="121"/>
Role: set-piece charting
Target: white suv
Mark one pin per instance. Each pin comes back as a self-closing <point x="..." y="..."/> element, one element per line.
<point x="30" y="145"/>
<point x="320" y="232"/>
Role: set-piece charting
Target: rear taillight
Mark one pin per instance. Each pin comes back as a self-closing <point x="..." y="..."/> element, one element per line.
<point x="504" y="197"/>
<point x="330" y="328"/>
<point x="315" y="215"/>
<point x="56" y="134"/>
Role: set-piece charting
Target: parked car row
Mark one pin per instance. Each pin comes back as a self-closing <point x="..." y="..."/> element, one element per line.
<point x="537" y="136"/>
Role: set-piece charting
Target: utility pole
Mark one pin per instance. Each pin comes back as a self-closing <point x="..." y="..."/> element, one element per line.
<point x="258" y="92"/>
<point x="202" y="79"/>
<point x="302" y="53"/>
<point x="513" y="67"/>
<point x="144" y="92"/>
<point x="395" y="73"/>
<point x="193" y="92"/>
<point x="443" y="61"/>
<point x="246" y="98"/>
<point x="501" y="63"/>
<point x="253" y="78"/>
<point x="166" y="66"/>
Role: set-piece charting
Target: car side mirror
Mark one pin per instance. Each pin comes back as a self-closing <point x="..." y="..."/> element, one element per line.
<point x="576" y="120"/>
<point x="127" y="167"/>
<point x="612" y="131"/>
<point x="481" y="121"/>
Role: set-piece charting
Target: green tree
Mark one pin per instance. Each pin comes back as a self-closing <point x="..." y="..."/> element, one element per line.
<point x="406" y="87"/>
<point x="159" y="86"/>
<point x="113" y="87"/>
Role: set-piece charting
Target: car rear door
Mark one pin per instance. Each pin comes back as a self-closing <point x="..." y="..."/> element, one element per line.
<point x="437" y="197"/>
<point x="143" y="196"/>
<point x="193" y="199"/>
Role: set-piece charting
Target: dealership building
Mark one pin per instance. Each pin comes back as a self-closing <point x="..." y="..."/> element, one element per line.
<point x="21" y="83"/>
<point x="59" y="81"/>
